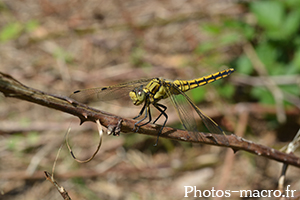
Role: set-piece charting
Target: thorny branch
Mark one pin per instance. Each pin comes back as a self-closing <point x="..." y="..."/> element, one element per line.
<point x="13" y="88"/>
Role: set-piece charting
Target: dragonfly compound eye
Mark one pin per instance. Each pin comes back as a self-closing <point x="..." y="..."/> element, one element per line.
<point x="137" y="96"/>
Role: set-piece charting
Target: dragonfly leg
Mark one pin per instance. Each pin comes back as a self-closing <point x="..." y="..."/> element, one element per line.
<point x="162" y="112"/>
<point x="141" y="112"/>
<point x="136" y="126"/>
<point x="150" y="117"/>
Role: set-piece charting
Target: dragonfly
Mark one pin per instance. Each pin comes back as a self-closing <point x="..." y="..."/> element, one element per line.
<point x="150" y="91"/>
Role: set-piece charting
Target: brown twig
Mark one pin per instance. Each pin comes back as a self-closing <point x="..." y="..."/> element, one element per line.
<point x="13" y="88"/>
<point x="60" y="189"/>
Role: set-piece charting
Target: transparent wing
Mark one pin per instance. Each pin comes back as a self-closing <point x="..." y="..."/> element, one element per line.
<point x="108" y="93"/>
<point x="184" y="107"/>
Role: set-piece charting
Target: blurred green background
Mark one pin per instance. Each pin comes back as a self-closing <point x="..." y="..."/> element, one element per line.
<point x="61" y="46"/>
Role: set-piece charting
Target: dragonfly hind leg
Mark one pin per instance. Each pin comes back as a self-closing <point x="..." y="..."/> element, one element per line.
<point x="162" y="112"/>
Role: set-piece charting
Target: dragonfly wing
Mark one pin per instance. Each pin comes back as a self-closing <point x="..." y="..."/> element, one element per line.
<point x="108" y="93"/>
<point x="184" y="107"/>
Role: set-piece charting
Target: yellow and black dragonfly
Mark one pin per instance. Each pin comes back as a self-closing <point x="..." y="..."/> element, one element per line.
<point x="151" y="91"/>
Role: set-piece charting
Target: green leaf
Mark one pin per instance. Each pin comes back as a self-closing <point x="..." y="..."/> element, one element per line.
<point x="62" y="54"/>
<point x="31" y="25"/>
<point x="14" y="141"/>
<point x="296" y="59"/>
<point x="269" y="14"/>
<point x="205" y="47"/>
<point x="211" y="28"/>
<point x="292" y="3"/>
<point x="263" y="95"/>
<point x="33" y="137"/>
<point x="292" y="89"/>
<point x="278" y="69"/>
<point x="232" y="24"/>
<point x="226" y="91"/>
<point x="10" y="31"/>
<point x="248" y="31"/>
<point x="229" y="39"/>
<point x="244" y="65"/>
<point x="267" y="54"/>
<point x="198" y="94"/>
<point x="296" y="41"/>
<point x="291" y="24"/>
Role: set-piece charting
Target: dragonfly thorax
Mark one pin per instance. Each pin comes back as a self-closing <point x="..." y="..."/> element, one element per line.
<point x="137" y="96"/>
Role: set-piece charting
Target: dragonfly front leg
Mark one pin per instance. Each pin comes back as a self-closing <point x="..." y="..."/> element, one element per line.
<point x="150" y="117"/>
<point x="141" y="112"/>
<point x="147" y="107"/>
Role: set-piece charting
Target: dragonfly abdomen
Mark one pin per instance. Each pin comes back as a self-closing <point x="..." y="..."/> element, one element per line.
<point x="191" y="84"/>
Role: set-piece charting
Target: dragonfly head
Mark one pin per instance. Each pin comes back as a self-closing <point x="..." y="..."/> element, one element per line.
<point x="137" y="96"/>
